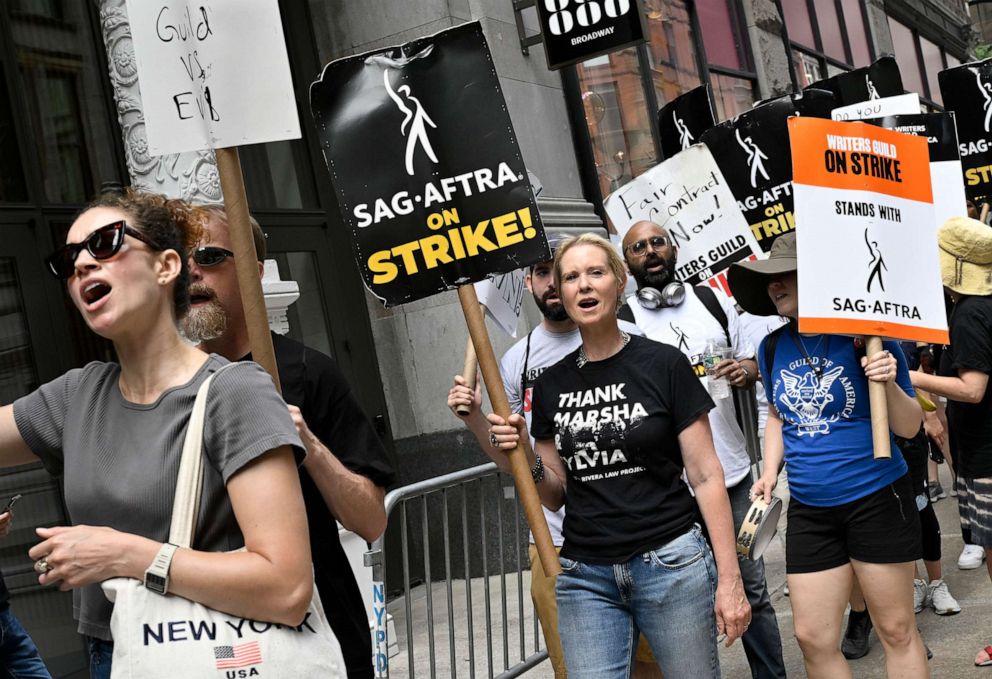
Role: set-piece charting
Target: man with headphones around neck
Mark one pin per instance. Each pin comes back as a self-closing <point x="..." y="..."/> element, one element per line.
<point x="689" y="318"/>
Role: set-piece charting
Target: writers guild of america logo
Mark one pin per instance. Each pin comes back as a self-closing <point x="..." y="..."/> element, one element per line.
<point x="985" y="89"/>
<point x="872" y="92"/>
<point x="415" y="122"/>
<point x="755" y="158"/>
<point x="806" y="397"/>
<point x="876" y="263"/>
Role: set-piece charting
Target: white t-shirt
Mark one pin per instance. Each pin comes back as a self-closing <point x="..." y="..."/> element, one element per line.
<point x="546" y="349"/>
<point x="689" y="327"/>
<point x="755" y="329"/>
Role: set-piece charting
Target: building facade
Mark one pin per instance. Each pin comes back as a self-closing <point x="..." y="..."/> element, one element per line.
<point x="66" y="130"/>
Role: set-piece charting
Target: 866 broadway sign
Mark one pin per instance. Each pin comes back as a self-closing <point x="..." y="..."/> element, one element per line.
<point x="575" y="30"/>
<point x="426" y="166"/>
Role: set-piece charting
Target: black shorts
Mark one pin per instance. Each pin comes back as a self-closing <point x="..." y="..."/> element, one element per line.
<point x="882" y="527"/>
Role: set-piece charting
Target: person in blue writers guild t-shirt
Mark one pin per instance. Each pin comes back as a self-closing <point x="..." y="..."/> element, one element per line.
<point x="826" y="418"/>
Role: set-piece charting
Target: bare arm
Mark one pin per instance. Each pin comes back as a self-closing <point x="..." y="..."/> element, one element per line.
<point x="774" y="455"/>
<point x="13" y="449"/>
<point x="355" y="500"/>
<point x="968" y="387"/>
<point x="706" y="478"/>
<point x="272" y="580"/>
<point x="461" y="395"/>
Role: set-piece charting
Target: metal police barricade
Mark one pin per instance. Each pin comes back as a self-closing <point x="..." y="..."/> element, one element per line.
<point x="460" y="498"/>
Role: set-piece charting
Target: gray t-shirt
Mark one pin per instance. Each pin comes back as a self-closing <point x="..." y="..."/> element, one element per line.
<point x="120" y="460"/>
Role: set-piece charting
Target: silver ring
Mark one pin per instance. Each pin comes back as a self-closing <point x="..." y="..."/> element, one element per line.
<point x="492" y="440"/>
<point x="41" y="566"/>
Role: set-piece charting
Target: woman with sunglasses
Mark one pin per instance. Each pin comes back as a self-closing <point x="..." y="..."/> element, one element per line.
<point x="115" y="432"/>
<point x="849" y="514"/>
<point x="615" y="424"/>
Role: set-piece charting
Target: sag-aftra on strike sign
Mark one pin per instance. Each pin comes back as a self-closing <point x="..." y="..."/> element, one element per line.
<point x="867" y="243"/>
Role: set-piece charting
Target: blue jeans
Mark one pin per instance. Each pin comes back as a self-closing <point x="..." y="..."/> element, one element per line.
<point x="762" y="641"/>
<point x="19" y="657"/>
<point x="101" y="653"/>
<point x="666" y="594"/>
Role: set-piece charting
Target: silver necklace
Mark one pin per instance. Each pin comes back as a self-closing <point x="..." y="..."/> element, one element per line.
<point x="583" y="359"/>
<point x="807" y="354"/>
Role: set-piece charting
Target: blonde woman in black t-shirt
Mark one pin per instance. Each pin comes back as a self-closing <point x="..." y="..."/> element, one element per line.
<point x="615" y="423"/>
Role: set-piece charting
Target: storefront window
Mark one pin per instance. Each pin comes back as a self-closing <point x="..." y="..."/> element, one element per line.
<point x="277" y="175"/>
<point x="933" y="63"/>
<point x="62" y="76"/>
<point x="617" y="114"/>
<point x="904" y="43"/>
<point x="672" y="51"/>
<point x="721" y="39"/>
<point x="808" y="68"/>
<point x="830" y="33"/>
<point x="12" y="185"/>
<point x="17" y="365"/>
<point x="857" y="36"/>
<point x="797" y="21"/>
<point x="731" y="95"/>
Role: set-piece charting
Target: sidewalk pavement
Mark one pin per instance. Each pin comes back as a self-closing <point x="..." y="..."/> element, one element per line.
<point x="954" y="640"/>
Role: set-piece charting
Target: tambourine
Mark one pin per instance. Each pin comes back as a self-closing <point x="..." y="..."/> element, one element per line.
<point x="759" y="527"/>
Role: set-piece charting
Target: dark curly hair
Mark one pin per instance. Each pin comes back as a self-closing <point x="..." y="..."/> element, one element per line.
<point x="169" y="223"/>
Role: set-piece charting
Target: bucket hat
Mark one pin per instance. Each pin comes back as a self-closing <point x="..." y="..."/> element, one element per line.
<point x="966" y="256"/>
<point x="749" y="280"/>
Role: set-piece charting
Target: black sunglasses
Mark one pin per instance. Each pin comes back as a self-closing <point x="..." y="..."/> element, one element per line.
<point x="656" y="242"/>
<point x="103" y="243"/>
<point x="210" y="255"/>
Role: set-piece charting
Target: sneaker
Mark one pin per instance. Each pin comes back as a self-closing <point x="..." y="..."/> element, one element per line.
<point x="937" y="491"/>
<point x="971" y="557"/>
<point x="921" y="595"/>
<point x="941" y="600"/>
<point x="855" y="642"/>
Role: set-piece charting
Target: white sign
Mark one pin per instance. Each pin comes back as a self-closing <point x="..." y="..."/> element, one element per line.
<point x="503" y="296"/>
<point x="212" y="73"/>
<point x="688" y="196"/>
<point x="878" y="108"/>
<point x="867" y="246"/>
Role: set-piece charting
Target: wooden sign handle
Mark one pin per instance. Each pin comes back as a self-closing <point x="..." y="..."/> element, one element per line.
<point x="519" y="466"/>
<point x="470" y="370"/>
<point x="879" y="407"/>
<point x="232" y="183"/>
<point x="983" y="217"/>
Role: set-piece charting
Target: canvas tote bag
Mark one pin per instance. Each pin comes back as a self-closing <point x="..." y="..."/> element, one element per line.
<point x="169" y="637"/>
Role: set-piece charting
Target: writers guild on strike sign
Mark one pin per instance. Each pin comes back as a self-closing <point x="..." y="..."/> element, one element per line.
<point x="427" y="211"/>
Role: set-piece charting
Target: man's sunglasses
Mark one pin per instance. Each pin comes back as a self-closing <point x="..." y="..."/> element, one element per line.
<point x="210" y="255"/>
<point x="639" y="247"/>
<point x="103" y="243"/>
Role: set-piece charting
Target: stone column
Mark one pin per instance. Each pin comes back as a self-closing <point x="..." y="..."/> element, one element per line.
<point x="771" y="55"/>
<point x="878" y="27"/>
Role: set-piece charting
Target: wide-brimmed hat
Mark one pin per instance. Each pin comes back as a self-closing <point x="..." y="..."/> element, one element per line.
<point x="966" y="256"/>
<point x="749" y="280"/>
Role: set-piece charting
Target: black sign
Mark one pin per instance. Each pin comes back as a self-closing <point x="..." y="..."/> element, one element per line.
<point x="576" y="30"/>
<point x="938" y="128"/>
<point x="682" y="121"/>
<point x="426" y="166"/>
<point x="967" y="90"/>
<point x="754" y="156"/>
<point x="880" y="79"/>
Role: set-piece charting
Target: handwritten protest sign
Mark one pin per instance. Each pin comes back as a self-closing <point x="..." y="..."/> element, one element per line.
<point x="752" y="151"/>
<point x="503" y="297"/>
<point x="946" y="175"/>
<point x="427" y="210"/>
<point x="682" y="121"/>
<point x="967" y="90"/>
<point x="867" y="246"/>
<point x="213" y="74"/>
<point x="876" y="108"/>
<point x="688" y="196"/>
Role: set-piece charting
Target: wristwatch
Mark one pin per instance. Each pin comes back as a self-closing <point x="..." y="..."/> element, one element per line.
<point x="157" y="575"/>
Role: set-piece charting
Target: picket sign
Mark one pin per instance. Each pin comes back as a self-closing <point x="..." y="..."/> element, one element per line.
<point x="867" y="249"/>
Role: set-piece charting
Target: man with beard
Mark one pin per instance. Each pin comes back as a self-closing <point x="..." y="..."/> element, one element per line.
<point x="552" y="340"/>
<point x="346" y="470"/>
<point x="691" y="325"/>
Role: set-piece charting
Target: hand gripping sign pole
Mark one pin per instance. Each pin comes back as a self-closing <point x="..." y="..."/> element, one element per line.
<point x="879" y="406"/>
